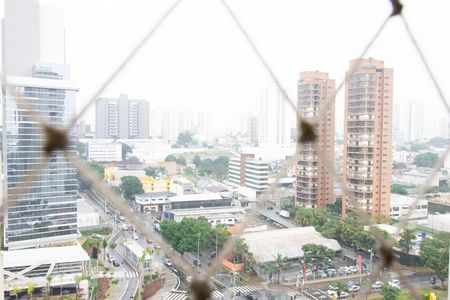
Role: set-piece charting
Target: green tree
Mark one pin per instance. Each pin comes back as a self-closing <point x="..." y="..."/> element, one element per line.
<point x="30" y="289"/>
<point x="48" y="289"/>
<point x="398" y="165"/>
<point x="130" y="186"/>
<point x="16" y="290"/>
<point x="240" y="251"/>
<point x="181" y="161"/>
<point x="270" y="270"/>
<point x="406" y="238"/>
<point x="188" y="172"/>
<point x="398" y="189"/>
<point x="416" y="147"/>
<point x="280" y="263"/>
<point x="156" y="172"/>
<point x="171" y="157"/>
<point x="427" y="159"/>
<point x="336" y="208"/>
<point x="61" y="278"/>
<point x="183" y="236"/>
<point x="439" y="142"/>
<point x="197" y="160"/>
<point x="125" y="150"/>
<point x="77" y="279"/>
<point x="340" y="286"/>
<point x="389" y="292"/>
<point x="97" y="167"/>
<point x="317" y="255"/>
<point x="185" y="138"/>
<point x="434" y="254"/>
<point x="206" y="167"/>
<point x="219" y="234"/>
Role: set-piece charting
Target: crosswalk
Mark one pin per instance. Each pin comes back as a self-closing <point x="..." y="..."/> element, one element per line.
<point x="125" y="274"/>
<point x="216" y="295"/>
<point x="176" y="295"/>
<point x="245" y="289"/>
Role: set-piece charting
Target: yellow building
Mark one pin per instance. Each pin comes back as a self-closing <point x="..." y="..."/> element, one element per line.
<point x="150" y="184"/>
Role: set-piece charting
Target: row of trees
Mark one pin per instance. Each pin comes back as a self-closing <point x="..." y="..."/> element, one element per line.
<point x="331" y="226"/>
<point x="217" y="168"/>
<point x="180" y="160"/>
<point x="186" y="235"/>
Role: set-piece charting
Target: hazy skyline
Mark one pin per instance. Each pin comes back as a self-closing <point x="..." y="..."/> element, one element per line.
<point x="199" y="60"/>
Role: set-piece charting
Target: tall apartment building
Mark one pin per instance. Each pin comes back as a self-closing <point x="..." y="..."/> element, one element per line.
<point x="273" y="129"/>
<point x="314" y="184"/>
<point x="121" y="118"/>
<point x="47" y="212"/>
<point x="368" y="136"/>
<point x="252" y="129"/>
<point x="248" y="171"/>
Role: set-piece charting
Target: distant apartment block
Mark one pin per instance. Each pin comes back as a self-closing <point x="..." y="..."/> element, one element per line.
<point x="314" y="184"/>
<point x="368" y="136"/>
<point x="104" y="151"/>
<point x="248" y="171"/>
<point x="273" y="129"/>
<point x="121" y="118"/>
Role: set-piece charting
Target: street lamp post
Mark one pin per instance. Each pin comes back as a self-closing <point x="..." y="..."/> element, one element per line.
<point x="198" y="252"/>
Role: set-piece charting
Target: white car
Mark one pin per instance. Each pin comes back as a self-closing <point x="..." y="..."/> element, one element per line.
<point x="377" y="285"/>
<point x="135" y="236"/>
<point x="354" y="288"/>
<point x="395" y="282"/>
<point x="168" y="262"/>
<point x="343" y="295"/>
<point x="354" y="269"/>
<point x="332" y="292"/>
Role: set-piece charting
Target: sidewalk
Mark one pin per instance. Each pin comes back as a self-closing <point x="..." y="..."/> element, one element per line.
<point x="119" y="290"/>
<point x="171" y="281"/>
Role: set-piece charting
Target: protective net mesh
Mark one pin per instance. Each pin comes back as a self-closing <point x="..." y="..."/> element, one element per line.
<point x="57" y="140"/>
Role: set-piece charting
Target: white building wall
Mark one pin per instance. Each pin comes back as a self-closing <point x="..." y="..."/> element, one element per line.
<point x="104" y="151"/>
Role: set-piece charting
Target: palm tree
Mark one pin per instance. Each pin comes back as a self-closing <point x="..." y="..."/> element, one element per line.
<point x="341" y="286"/>
<point x="61" y="277"/>
<point x="30" y="289"/>
<point x="77" y="279"/>
<point x="280" y="262"/>
<point x="49" y="279"/>
<point x="16" y="290"/>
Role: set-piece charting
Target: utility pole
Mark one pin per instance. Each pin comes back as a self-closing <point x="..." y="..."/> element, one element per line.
<point x="371" y="266"/>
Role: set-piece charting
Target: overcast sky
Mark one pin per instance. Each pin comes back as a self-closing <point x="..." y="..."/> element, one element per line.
<point x="199" y="60"/>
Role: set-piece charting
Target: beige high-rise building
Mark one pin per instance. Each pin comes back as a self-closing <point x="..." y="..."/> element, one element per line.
<point x="314" y="185"/>
<point x="368" y="137"/>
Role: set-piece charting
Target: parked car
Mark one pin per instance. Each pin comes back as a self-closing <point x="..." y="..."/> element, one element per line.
<point x="354" y="288"/>
<point x="330" y="272"/>
<point x="96" y="236"/>
<point x="343" y="295"/>
<point x="157" y="246"/>
<point x="354" y="269"/>
<point x="331" y="292"/>
<point x="377" y="285"/>
<point x="213" y="254"/>
<point x="116" y="263"/>
<point x="353" y="282"/>
<point x="251" y="297"/>
<point x="122" y="218"/>
<point x="135" y="236"/>
<point x="149" y="240"/>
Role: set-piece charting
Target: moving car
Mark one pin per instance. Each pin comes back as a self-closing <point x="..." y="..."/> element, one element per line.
<point x="197" y="263"/>
<point x="116" y="263"/>
<point x="168" y="262"/>
<point x="135" y="236"/>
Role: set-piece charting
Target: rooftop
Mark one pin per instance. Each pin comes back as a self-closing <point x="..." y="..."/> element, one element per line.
<point x="137" y="249"/>
<point x="47" y="255"/>
<point x="288" y="242"/>
<point x="156" y="194"/>
<point x="206" y="211"/>
<point x="196" y="197"/>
